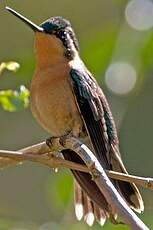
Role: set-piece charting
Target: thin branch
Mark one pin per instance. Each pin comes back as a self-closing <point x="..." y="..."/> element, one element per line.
<point x="145" y="182"/>
<point x="38" y="153"/>
<point x="42" y="154"/>
<point x="114" y="199"/>
<point x="49" y="159"/>
<point x="37" y="149"/>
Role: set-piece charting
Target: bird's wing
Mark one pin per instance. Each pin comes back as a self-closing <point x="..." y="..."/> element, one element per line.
<point x="101" y="129"/>
<point x="95" y="113"/>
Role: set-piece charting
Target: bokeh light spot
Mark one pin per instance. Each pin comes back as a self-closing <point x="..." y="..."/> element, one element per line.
<point x="139" y="14"/>
<point x="120" y="77"/>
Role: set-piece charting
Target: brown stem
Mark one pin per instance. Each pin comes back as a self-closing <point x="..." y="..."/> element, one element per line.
<point x="114" y="199"/>
<point x="37" y="153"/>
<point x="41" y="153"/>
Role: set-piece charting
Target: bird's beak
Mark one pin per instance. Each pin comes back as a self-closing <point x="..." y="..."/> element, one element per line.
<point x="32" y="25"/>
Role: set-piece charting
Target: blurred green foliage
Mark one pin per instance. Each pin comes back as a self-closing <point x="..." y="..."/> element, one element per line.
<point x="33" y="197"/>
<point x="12" y="66"/>
<point x="13" y="100"/>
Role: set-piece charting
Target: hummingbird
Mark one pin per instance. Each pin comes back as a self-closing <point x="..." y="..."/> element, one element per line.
<point x="65" y="97"/>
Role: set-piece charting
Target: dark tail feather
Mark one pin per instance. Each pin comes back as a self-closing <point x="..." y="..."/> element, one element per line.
<point x="86" y="208"/>
<point x="89" y="200"/>
<point x="78" y="201"/>
<point x="85" y="181"/>
<point x="128" y="190"/>
<point x="100" y="215"/>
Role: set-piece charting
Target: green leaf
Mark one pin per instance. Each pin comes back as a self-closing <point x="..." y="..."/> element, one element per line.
<point x="14" y="100"/>
<point x="11" y="66"/>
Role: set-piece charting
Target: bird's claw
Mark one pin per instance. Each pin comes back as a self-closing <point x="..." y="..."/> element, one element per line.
<point x="53" y="143"/>
<point x="62" y="139"/>
<point x="50" y="141"/>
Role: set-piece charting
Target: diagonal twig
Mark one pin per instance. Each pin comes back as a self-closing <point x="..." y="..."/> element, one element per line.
<point x="114" y="199"/>
<point x="42" y="154"/>
<point x="38" y="152"/>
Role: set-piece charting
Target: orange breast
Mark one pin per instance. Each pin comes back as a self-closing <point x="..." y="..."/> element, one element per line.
<point x="52" y="101"/>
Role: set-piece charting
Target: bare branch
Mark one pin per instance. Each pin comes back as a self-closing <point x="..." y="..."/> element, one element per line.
<point x="116" y="202"/>
<point x="141" y="181"/>
<point x="37" y="149"/>
<point x="42" y="154"/>
<point x="35" y="152"/>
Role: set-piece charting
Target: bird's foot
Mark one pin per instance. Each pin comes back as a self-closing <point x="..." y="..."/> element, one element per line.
<point x="50" y="141"/>
<point x="54" y="144"/>
<point x="63" y="138"/>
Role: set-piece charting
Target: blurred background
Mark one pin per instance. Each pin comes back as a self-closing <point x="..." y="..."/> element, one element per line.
<point x="116" y="42"/>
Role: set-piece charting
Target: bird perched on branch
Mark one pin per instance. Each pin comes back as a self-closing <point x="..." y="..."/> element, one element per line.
<point x="65" y="97"/>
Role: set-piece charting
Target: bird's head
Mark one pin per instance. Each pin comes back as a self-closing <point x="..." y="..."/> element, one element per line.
<point x="54" y="36"/>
